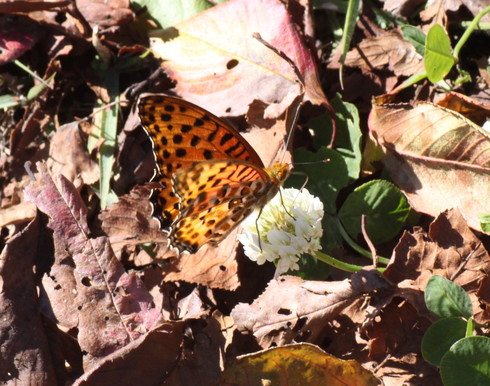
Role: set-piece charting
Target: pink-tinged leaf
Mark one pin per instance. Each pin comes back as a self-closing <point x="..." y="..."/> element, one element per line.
<point x="438" y="158"/>
<point x="15" y="43"/>
<point x="218" y="65"/>
<point x="112" y="307"/>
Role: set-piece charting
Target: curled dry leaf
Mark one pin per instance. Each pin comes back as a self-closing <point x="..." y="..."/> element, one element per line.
<point x="112" y="307"/>
<point x="291" y="308"/>
<point x="300" y="364"/>
<point x="218" y="65"/>
<point x="387" y="50"/>
<point x="438" y="158"/>
<point x="450" y="249"/>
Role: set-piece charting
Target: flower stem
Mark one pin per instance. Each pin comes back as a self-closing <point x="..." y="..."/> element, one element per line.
<point x="358" y="248"/>
<point x="340" y="264"/>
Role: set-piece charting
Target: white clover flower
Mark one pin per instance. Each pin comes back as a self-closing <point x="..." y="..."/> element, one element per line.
<point x="284" y="238"/>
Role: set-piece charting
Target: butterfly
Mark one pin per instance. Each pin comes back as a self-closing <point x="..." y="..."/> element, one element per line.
<point x="210" y="176"/>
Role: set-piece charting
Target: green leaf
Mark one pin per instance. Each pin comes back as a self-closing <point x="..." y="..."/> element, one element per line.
<point x="445" y="298"/>
<point x="467" y="362"/>
<point x="384" y="206"/>
<point x="438" y="59"/>
<point x="349" y="136"/>
<point x="7" y="101"/>
<point x="414" y="36"/>
<point x="440" y="337"/>
<point x="485" y="222"/>
<point x="167" y="13"/>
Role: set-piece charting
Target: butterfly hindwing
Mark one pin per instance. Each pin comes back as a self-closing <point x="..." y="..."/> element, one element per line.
<point x="215" y="197"/>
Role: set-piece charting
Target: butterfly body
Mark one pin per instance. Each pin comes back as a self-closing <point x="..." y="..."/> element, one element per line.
<point x="211" y="178"/>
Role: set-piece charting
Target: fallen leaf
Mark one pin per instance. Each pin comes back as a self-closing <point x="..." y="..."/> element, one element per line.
<point x="26" y="357"/>
<point x="112" y="306"/>
<point x="438" y="158"/>
<point x="296" y="364"/>
<point x="218" y="65"/>
<point x="450" y="249"/>
<point x="291" y="308"/>
<point x="387" y="50"/>
<point x="145" y="361"/>
<point x="470" y="108"/>
<point x="105" y="13"/>
<point x="69" y="156"/>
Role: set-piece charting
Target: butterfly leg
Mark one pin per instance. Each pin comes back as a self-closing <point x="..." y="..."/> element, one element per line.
<point x="284" y="206"/>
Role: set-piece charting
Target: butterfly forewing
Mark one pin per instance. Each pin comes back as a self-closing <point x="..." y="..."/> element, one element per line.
<point x="210" y="176"/>
<point x="181" y="134"/>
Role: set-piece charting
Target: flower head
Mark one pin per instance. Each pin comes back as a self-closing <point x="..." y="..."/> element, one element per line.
<point x="289" y="226"/>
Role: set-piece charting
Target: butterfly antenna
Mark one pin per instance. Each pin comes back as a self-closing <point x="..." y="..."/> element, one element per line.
<point x="298" y="101"/>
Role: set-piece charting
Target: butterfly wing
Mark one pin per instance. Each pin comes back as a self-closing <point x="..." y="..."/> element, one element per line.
<point x="182" y="134"/>
<point x="215" y="197"/>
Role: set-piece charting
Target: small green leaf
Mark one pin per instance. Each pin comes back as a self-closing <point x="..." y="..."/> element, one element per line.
<point x="349" y="136"/>
<point x="467" y="362"/>
<point x="169" y="12"/>
<point x="414" y="36"/>
<point x="438" y="59"/>
<point x="440" y="337"/>
<point x="384" y="206"/>
<point x="445" y="298"/>
<point x="485" y="222"/>
<point x="7" y="101"/>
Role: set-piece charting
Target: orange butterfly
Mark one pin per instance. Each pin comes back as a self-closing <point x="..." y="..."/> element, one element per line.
<point x="211" y="177"/>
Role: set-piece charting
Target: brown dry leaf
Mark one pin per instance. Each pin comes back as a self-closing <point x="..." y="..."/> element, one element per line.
<point x="296" y="364"/>
<point x="291" y="308"/>
<point x="128" y="222"/>
<point x="205" y="360"/>
<point x="450" y="250"/>
<point x="438" y="158"/>
<point x="472" y="109"/>
<point x="387" y="50"/>
<point x="218" y="65"/>
<point x="145" y="361"/>
<point x="26" y="357"/>
<point x="105" y="13"/>
<point x="68" y="156"/>
<point x="214" y="267"/>
<point x="17" y="214"/>
<point x="113" y="307"/>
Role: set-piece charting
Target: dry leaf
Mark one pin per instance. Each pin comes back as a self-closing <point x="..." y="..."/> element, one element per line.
<point x="112" y="307"/>
<point x="69" y="156"/>
<point x="296" y="364"/>
<point x="291" y="307"/>
<point x="145" y="361"/>
<point x="218" y="65"/>
<point x="437" y="157"/>
<point x="26" y="357"/>
<point x="387" y="50"/>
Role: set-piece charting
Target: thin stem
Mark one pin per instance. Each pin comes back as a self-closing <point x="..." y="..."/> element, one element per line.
<point x="333" y="262"/>
<point x="469" y="31"/>
<point x="31" y="73"/>
<point x="357" y="248"/>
